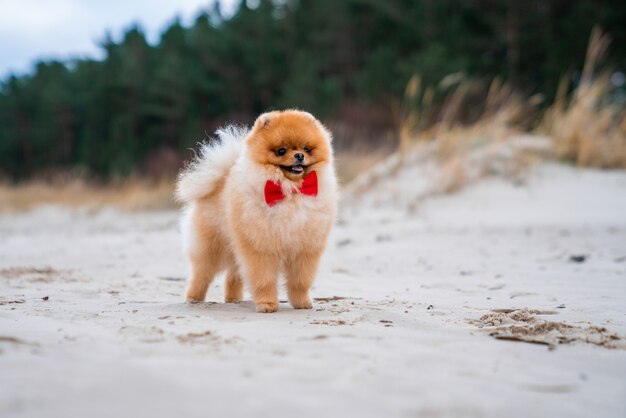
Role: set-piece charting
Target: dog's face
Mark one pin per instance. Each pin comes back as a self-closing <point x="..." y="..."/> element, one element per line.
<point x="291" y="140"/>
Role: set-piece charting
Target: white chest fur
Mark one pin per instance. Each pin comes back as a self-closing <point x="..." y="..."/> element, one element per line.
<point x="296" y="221"/>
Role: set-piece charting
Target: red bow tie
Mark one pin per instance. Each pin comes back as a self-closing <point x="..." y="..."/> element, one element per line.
<point x="274" y="193"/>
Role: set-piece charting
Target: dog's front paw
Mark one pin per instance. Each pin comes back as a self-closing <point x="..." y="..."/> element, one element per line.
<point x="194" y="295"/>
<point x="266" y="307"/>
<point x="302" y="304"/>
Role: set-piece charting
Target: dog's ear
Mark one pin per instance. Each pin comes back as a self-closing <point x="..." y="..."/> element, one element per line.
<point x="264" y="120"/>
<point x="320" y="125"/>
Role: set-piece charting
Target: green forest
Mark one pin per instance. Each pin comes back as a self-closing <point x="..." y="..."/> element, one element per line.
<point x="145" y="105"/>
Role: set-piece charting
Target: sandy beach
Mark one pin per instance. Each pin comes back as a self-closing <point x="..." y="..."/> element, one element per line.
<point x="507" y="298"/>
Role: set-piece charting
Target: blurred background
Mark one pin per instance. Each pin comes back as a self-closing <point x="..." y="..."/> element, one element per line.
<point x="109" y="93"/>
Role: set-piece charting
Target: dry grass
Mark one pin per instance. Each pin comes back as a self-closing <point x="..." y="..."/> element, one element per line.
<point x="491" y="144"/>
<point x="584" y="127"/>
<point x="588" y="129"/>
<point x="128" y="195"/>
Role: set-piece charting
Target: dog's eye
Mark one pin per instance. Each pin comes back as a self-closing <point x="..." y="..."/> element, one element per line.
<point x="307" y="150"/>
<point x="281" y="151"/>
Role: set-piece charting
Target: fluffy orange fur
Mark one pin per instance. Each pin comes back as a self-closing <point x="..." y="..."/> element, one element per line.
<point x="229" y="227"/>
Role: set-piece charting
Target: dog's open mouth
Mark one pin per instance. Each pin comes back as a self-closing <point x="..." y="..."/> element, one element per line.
<point x="294" y="169"/>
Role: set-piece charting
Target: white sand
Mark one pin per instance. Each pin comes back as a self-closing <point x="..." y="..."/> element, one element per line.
<point x="113" y="339"/>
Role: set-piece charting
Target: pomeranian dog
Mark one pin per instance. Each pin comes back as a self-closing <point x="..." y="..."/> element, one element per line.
<point x="260" y="203"/>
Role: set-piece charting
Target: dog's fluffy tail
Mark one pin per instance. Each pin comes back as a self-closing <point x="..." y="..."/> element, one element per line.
<point x="199" y="178"/>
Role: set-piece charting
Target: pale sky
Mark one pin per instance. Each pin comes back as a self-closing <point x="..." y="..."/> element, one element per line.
<point x="32" y="29"/>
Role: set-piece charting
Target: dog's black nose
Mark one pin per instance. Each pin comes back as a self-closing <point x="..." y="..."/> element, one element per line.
<point x="299" y="157"/>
